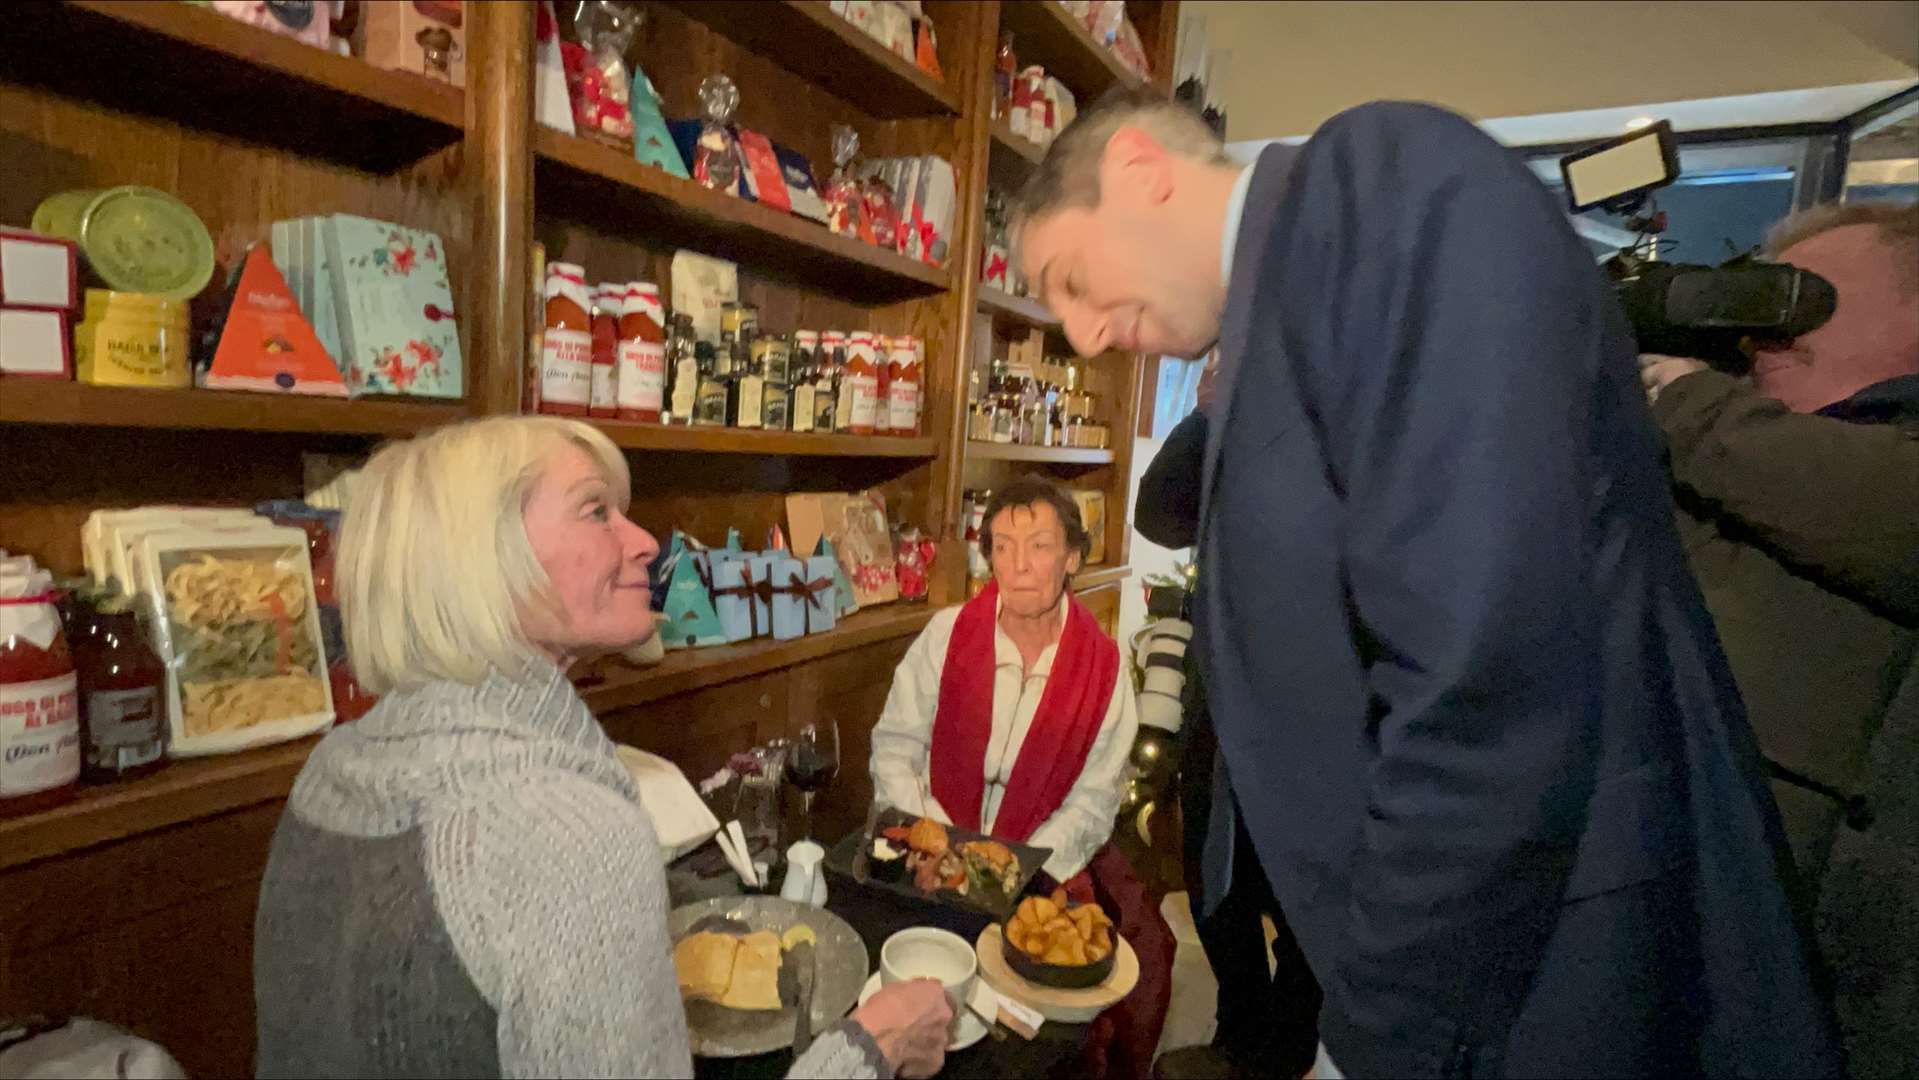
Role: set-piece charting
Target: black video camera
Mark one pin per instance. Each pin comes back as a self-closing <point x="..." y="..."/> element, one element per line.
<point x="1710" y="313"/>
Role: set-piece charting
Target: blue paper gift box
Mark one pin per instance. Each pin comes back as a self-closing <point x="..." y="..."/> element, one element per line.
<point x="743" y="595"/>
<point x="804" y="599"/>
<point x="688" y="617"/>
<point x="842" y="587"/>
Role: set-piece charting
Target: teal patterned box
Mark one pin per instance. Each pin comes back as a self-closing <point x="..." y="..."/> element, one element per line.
<point x="395" y="306"/>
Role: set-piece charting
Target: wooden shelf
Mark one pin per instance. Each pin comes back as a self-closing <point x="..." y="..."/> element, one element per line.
<point x="806" y="38"/>
<point x="1023" y="309"/>
<point x="182" y="791"/>
<point x="721" y="440"/>
<point x="1011" y="158"/>
<point x="200" y="788"/>
<point x="1044" y="34"/>
<point x="1051" y="455"/>
<point x="201" y="69"/>
<point x="1092" y="577"/>
<point x="57" y="401"/>
<point x="614" y="684"/>
<point x="580" y="178"/>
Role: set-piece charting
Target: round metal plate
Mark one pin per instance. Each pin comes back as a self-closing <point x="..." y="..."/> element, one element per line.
<point x="718" y="1032"/>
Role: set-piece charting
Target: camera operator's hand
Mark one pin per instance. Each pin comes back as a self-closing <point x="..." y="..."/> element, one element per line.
<point x="1656" y="371"/>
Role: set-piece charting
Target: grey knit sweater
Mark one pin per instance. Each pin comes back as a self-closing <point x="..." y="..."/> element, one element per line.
<point x="464" y="883"/>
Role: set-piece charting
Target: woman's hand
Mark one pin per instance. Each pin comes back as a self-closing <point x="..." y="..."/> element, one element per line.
<point x="909" y="1021"/>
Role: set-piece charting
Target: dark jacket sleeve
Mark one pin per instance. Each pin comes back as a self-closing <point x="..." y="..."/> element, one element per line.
<point x="1838" y="502"/>
<point x="1463" y="336"/>
<point x="1166" y="510"/>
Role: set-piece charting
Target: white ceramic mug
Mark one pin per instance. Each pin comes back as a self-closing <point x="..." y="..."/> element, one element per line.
<point x="925" y="952"/>
<point x="804" y="881"/>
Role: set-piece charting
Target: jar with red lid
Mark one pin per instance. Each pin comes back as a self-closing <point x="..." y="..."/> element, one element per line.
<point x="123" y="719"/>
<point x="39" y="698"/>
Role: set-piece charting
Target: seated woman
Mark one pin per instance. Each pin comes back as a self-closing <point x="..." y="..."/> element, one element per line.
<point x="464" y="882"/>
<point x="1013" y="715"/>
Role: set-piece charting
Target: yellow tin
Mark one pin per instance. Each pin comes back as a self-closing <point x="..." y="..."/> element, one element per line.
<point x="132" y="339"/>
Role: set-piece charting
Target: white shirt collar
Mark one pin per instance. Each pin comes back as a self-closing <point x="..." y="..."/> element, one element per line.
<point x="1235" y="208"/>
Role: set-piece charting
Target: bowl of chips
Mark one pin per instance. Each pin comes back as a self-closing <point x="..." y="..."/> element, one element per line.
<point x="1053" y="942"/>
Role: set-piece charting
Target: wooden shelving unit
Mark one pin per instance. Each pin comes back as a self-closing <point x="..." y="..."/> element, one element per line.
<point x="576" y="172"/>
<point x="806" y="38"/>
<point x="50" y="401"/>
<point x="248" y="128"/>
<point x="613" y="684"/>
<point x="1051" y="455"/>
<point x="1021" y="309"/>
<point x="719" y="440"/>
<point x="196" y="67"/>
<point x="1045" y="34"/>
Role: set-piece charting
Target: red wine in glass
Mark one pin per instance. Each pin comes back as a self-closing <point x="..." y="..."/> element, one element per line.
<point x="812" y="761"/>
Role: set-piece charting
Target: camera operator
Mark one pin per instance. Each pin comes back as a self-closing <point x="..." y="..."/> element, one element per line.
<point x="1799" y="499"/>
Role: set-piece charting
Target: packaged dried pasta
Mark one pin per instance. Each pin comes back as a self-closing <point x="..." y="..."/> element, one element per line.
<point x="237" y="626"/>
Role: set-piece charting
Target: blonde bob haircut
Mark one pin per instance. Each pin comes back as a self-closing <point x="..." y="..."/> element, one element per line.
<point x="435" y="568"/>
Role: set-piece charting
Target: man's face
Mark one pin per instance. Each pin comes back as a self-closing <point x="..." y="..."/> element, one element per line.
<point x="1873" y="334"/>
<point x="1130" y="274"/>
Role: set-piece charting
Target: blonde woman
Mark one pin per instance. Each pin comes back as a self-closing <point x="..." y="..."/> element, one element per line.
<point x="464" y="882"/>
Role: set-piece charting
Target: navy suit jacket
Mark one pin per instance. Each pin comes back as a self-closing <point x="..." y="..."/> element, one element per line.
<point x="1466" y="692"/>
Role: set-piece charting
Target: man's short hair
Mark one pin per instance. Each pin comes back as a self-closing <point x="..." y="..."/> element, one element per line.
<point x="1028" y="492"/>
<point x="1069" y="176"/>
<point x="1898" y="229"/>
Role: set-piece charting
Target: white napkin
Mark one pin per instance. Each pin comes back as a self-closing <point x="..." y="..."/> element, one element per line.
<point x="680" y="817"/>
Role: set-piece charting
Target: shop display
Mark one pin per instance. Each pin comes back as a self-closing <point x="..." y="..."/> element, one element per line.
<point x="1092" y="516"/>
<point x="38" y="271"/>
<point x="996" y="260"/>
<point x="1005" y="70"/>
<point x="904" y="29"/>
<point x="702" y="287"/>
<point x="132" y="339"/>
<point x="39" y="694"/>
<point x="856" y="526"/>
<point x="642" y="377"/>
<point x="652" y="140"/>
<point x="263" y="341"/>
<point x="845" y="199"/>
<point x="123" y="723"/>
<point x="859" y="404"/>
<point x="603" y="394"/>
<point x="597" y="75"/>
<point x="802" y="190"/>
<point x="34" y="342"/>
<point x="394" y="302"/>
<point x="300" y="253"/>
<point x="237" y="626"/>
<point x="426" y="37"/>
<point x="716" y="156"/>
<point x="566" y="346"/>
<point x="552" y="101"/>
<point x="1032" y="400"/>
<point x="904" y="367"/>
<point x="135" y="239"/>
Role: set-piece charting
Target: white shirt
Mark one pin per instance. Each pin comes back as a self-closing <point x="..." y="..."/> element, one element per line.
<point x="903" y="740"/>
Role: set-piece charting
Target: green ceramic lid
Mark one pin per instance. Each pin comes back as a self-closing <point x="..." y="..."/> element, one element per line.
<point x="139" y="239"/>
<point x="59" y="214"/>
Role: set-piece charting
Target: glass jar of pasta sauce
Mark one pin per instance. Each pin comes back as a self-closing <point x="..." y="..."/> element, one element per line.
<point x="39" y="698"/>
<point x="123" y="720"/>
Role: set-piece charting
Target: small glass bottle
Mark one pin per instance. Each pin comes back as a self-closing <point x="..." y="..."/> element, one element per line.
<point x="709" y="405"/>
<point x="123" y="719"/>
<point x="803" y="405"/>
<point x="683" y="365"/>
<point x="746" y="393"/>
<point x="831" y="362"/>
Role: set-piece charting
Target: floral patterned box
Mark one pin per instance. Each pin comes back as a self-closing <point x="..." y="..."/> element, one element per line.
<point x="395" y="305"/>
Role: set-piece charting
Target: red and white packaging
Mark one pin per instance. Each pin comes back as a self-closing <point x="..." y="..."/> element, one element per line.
<point x="1034" y="79"/>
<point x="903" y="385"/>
<point x="35" y="342"/>
<point x="566" y="356"/>
<point x="38" y="271"/>
<point x="604" y="394"/>
<point x="642" y="378"/>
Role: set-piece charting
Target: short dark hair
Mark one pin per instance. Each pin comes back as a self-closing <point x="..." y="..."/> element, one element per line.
<point x="1069" y="174"/>
<point x="1029" y="492"/>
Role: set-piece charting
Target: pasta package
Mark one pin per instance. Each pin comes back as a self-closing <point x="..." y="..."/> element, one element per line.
<point x="236" y="623"/>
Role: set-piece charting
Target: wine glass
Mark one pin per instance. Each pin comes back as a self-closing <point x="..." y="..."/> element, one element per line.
<point x="812" y="760"/>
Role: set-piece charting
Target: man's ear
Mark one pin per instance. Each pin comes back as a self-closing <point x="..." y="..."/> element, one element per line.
<point x="1135" y="168"/>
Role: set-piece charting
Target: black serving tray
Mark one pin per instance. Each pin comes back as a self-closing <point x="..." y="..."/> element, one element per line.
<point x="849" y="856"/>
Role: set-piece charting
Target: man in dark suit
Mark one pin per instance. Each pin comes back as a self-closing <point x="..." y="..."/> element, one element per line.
<point x="1471" y="709"/>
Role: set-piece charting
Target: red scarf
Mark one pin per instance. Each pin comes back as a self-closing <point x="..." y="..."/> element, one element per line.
<point x="1071" y="710"/>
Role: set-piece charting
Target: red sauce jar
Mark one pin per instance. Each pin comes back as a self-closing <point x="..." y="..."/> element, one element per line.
<point x="39" y="699"/>
<point x="123" y="717"/>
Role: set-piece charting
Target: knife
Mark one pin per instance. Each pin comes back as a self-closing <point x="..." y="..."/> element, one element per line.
<point x="805" y="969"/>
